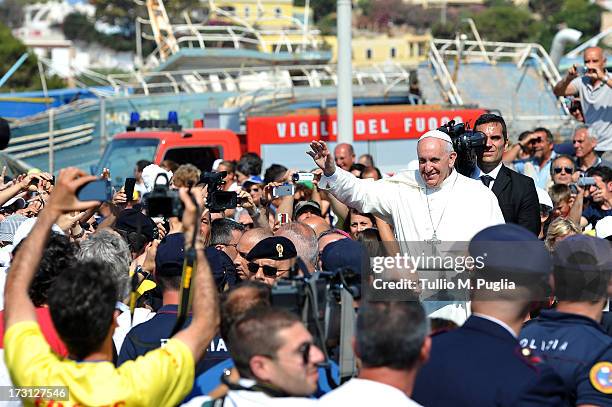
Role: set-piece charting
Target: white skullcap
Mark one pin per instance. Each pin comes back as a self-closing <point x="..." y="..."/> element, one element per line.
<point x="544" y="198"/>
<point x="150" y="173"/>
<point x="603" y="228"/>
<point x="436" y="134"/>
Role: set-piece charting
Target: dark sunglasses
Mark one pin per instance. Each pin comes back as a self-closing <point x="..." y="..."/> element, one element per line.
<point x="268" y="271"/>
<point x="568" y="170"/>
<point x="535" y="140"/>
<point x="304" y="350"/>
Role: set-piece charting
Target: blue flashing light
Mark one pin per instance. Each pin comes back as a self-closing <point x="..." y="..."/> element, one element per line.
<point x="134" y="118"/>
<point x="172" y="117"/>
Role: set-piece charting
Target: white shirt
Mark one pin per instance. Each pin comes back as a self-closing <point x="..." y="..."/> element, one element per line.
<point x="247" y="398"/>
<point x="460" y="208"/>
<point x="497" y="321"/>
<point x="360" y="392"/>
<point x="493" y="174"/>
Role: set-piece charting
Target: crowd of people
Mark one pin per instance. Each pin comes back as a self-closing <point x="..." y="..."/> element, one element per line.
<point x="124" y="307"/>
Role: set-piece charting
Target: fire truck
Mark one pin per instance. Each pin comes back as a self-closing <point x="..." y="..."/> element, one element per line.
<point x="389" y="133"/>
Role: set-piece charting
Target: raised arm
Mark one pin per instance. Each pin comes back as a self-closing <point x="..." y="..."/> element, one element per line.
<point x="17" y="304"/>
<point x="564" y="87"/>
<point x="364" y="195"/>
<point x="205" y="320"/>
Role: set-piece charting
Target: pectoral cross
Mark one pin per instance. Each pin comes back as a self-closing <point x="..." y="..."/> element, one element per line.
<point x="434" y="240"/>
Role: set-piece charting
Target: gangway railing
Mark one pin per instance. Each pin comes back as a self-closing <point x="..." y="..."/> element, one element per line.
<point x="244" y="79"/>
<point x="492" y="52"/>
<point x="444" y="78"/>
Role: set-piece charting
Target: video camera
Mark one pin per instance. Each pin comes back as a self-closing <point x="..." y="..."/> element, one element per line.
<point x="468" y="144"/>
<point x="218" y="200"/>
<point x="163" y="201"/>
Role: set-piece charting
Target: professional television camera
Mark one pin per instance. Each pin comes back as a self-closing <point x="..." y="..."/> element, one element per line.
<point x="218" y="200"/>
<point x="163" y="201"/>
<point x="325" y="304"/>
<point x="468" y="144"/>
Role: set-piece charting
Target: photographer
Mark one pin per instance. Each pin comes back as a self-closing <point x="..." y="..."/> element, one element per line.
<point x="82" y="304"/>
<point x="594" y="87"/>
<point x="276" y="358"/>
<point x="600" y="195"/>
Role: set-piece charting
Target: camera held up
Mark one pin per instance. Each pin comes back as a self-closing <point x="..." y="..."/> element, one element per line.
<point x="468" y="144"/>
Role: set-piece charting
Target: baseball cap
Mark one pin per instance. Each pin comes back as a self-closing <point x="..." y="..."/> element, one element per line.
<point x="304" y="206"/>
<point x="170" y="255"/>
<point x="344" y="254"/>
<point x="132" y="220"/>
<point x="221" y="266"/>
<point x="274" y="247"/>
<point x="252" y="180"/>
<point x="497" y="246"/>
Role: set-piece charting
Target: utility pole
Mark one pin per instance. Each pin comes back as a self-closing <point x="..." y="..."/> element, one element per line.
<point x="344" y="71"/>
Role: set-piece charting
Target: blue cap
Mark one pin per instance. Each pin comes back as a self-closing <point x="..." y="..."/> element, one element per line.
<point x="344" y="254"/>
<point x="511" y="248"/>
<point x="222" y="267"/>
<point x="253" y="179"/>
<point x="170" y="255"/>
<point x="582" y="253"/>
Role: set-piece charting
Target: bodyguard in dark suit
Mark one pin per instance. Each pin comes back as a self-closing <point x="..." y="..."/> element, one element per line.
<point x="481" y="363"/>
<point x="515" y="192"/>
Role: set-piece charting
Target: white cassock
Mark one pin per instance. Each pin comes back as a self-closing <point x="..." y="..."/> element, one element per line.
<point x="456" y="211"/>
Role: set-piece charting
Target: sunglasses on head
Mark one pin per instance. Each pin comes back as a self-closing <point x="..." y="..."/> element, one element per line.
<point x="568" y="170"/>
<point x="268" y="271"/>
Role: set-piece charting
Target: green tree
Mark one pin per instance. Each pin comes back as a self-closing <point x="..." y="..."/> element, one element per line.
<point x="578" y="14"/>
<point x="507" y="23"/>
<point x="27" y="76"/>
<point x="322" y="8"/>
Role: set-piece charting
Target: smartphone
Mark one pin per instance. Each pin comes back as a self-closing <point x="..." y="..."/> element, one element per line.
<point x="128" y="187"/>
<point x="283" y="190"/>
<point x="301" y="177"/>
<point x="98" y="190"/>
<point x="586" y="181"/>
<point x="581" y="70"/>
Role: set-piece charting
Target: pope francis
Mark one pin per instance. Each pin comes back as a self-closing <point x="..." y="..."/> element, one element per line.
<point x="433" y="204"/>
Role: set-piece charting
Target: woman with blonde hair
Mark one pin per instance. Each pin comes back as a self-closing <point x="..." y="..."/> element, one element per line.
<point x="558" y="230"/>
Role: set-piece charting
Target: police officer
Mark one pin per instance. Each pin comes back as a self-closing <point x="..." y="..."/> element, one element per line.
<point x="480" y="363"/>
<point x="570" y="337"/>
<point x="271" y="259"/>
<point x="155" y="332"/>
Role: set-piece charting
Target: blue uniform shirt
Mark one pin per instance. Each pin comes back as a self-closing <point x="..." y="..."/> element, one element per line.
<point x="579" y="351"/>
<point x="480" y="364"/>
<point x="155" y="332"/>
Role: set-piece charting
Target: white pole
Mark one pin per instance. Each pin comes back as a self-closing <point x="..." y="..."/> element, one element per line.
<point x="345" y="75"/>
<point x="51" y="140"/>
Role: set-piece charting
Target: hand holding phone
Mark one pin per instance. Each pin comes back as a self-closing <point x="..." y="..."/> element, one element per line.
<point x="98" y="190"/>
<point x="128" y="188"/>
<point x="283" y="190"/>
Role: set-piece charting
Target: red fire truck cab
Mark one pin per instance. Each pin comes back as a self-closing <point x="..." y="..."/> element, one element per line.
<point x="389" y="133"/>
<point x="200" y="147"/>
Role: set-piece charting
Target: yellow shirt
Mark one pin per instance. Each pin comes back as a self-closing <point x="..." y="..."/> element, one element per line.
<point x="162" y="377"/>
